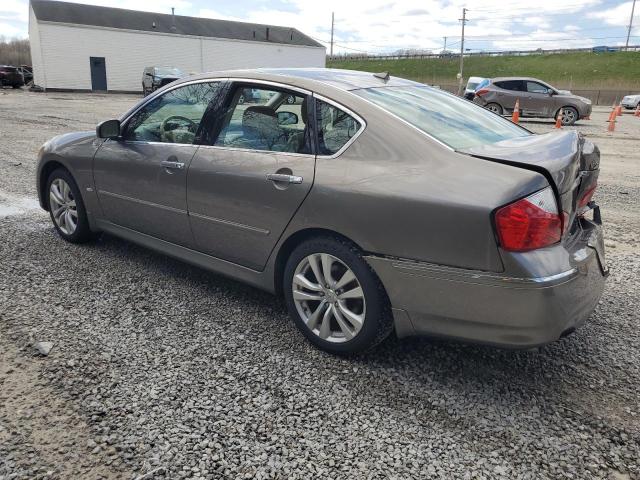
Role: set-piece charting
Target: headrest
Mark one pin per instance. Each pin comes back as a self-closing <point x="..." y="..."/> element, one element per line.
<point x="259" y="116"/>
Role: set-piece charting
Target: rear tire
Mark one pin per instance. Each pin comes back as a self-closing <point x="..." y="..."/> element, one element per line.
<point x="352" y="315"/>
<point x="495" y="108"/>
<point x="72" y="200"/>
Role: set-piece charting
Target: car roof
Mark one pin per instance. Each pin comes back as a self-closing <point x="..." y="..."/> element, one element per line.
<point x="316" y="79"/>
<point x="502" y="79"/>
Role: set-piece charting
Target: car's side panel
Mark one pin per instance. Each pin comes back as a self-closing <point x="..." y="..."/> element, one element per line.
<point x="74" y="151"/>
<point x="396" y="192"/>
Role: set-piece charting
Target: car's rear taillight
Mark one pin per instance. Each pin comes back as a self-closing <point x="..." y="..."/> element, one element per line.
<point x="530" y="223"/>
<point x="587" y="196"/>
<point x="482" y="91"/>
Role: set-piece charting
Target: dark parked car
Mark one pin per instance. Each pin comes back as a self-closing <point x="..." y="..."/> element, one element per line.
<point x="371" y="204"/>
<point x="537" y="99"/>
<point x="155" y="77"/>
<point x="10" y="77"/>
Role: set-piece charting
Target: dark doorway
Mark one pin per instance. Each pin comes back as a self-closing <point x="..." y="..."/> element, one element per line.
<point x="98" y="73"/>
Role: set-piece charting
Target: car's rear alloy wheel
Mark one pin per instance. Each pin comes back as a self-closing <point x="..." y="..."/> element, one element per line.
<point x="495" y="108"/>
<point x="334" y="296"/>
<point x="67" y="208"/>
<point x="329" y="298"/>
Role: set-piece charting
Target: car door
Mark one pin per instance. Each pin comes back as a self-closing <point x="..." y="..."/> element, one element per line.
<point x="141" y="177"/>
<point x="511" y="90"/>
<point x="539" y="103"/>
<point x="246" y="185"/>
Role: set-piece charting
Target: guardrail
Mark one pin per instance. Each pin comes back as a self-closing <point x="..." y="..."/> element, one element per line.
<point x="597" y="50"/>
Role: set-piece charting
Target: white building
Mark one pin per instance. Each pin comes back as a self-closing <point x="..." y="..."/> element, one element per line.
<point x="85" y="47"/>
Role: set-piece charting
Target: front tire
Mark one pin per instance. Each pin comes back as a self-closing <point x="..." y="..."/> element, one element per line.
<point x="66" y="207"/>
<point x="569" y="116"/>
<point x="335" y="298"/>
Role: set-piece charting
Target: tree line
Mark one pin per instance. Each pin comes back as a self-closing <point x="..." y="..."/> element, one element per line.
<point x="14" y="51"/>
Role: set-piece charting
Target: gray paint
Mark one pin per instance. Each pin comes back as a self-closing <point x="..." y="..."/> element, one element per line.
<point x="421" y="212"/>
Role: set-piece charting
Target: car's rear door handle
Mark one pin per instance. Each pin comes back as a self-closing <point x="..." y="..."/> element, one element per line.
<point x="172" y="164"/>
<point x="281" y="177"/>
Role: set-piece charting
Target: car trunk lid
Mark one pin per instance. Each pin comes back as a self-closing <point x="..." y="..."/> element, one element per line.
<point x="569" y="161"/>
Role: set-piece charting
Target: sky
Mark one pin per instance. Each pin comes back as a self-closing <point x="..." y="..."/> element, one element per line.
<point x="385" y="26"/>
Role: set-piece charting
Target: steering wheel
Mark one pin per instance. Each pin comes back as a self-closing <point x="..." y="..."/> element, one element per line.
<point x="164" y="133"/>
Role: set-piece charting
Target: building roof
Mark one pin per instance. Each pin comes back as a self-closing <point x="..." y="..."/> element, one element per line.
<point x="79" y="14"/>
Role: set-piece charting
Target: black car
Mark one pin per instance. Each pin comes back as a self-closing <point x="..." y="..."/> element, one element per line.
<point x="155" y="77"/>
<point x="10" y="76"/>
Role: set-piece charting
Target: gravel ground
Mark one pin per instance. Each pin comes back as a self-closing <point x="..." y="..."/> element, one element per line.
<point x="162" y="370"/>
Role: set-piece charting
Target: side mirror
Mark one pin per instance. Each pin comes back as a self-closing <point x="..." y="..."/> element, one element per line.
<point x="287" y="118"/>
<point x="108" y="129"/>
<point x="551" y="93"/>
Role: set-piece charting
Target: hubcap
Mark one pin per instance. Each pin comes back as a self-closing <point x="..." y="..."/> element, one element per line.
<point x="329" y="298"/>
<point x="568" y="116"/>
<point x="494" y="109"/>
<point x="63" y="206"/>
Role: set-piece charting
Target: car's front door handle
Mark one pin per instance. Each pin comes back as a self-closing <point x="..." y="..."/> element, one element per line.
<point x="281" y="177"/>
<point x="171" y="164"/>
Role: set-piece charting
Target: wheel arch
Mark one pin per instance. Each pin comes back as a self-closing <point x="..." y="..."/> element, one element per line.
<point x="292" y="242"/>
<point x="45" y="171"/>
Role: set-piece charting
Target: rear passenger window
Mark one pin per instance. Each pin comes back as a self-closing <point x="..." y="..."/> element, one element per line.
<point x="335" y="128"/>
<point x="514" y="85"/>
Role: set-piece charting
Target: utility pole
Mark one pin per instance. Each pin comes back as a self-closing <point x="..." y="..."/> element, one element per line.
<point x="331" y="51"/>
<point x="633" y="8"/>
<point x="463" y="20"/>
<point x="444" y="50"/>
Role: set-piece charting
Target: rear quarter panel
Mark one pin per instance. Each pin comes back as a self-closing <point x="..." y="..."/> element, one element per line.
<point x="397" y="192"/>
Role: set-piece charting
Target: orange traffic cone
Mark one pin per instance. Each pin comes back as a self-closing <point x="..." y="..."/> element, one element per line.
<point x="612" y="120"/>
<point x="515" y="117"/>
<point x="637" y="114"/>
<point x="559" y="119"/>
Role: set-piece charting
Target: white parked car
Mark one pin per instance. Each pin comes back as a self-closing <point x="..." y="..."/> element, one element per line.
<point x="631" y="101"/>
<point x="470" y="89"/>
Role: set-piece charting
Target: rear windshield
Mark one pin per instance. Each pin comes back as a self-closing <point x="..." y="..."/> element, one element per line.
<point x="452" y="120"/>
<point x="168" y="71"/>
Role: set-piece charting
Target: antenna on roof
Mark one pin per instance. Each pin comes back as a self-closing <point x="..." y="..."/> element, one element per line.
<point x="382" y="76"/>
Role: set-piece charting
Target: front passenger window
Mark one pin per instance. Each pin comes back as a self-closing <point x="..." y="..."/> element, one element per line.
<point x="174" y="117"/>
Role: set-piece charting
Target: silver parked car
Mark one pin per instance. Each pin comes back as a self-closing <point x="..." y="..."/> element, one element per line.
<point x="372" y="204"/>
<point x="537" y="99"/>
<point x="631" y="102"/>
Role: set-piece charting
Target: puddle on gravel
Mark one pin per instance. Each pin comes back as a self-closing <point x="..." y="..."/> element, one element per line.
<point x="11" y="205"/>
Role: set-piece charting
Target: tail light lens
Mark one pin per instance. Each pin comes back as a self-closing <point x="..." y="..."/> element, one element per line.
<point x="530" y="223"/>
<point x="482" y="91"/>
<point x="586" y="197"/>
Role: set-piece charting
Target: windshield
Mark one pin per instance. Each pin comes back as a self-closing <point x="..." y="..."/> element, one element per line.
<point x="168" y="71"/>
<point x="454" y="121"/>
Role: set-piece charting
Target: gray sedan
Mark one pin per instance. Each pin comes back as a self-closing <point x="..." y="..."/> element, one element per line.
<point x="372" y="204"/>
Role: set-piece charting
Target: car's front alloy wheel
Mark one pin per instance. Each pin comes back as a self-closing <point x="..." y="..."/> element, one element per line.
<point x="64" y="210"/>
<point x="334" y="296"/>
<point x="67" y="208"/>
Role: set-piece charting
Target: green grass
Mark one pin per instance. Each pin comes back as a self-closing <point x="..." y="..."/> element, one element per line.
<point x="614" y="70"/>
